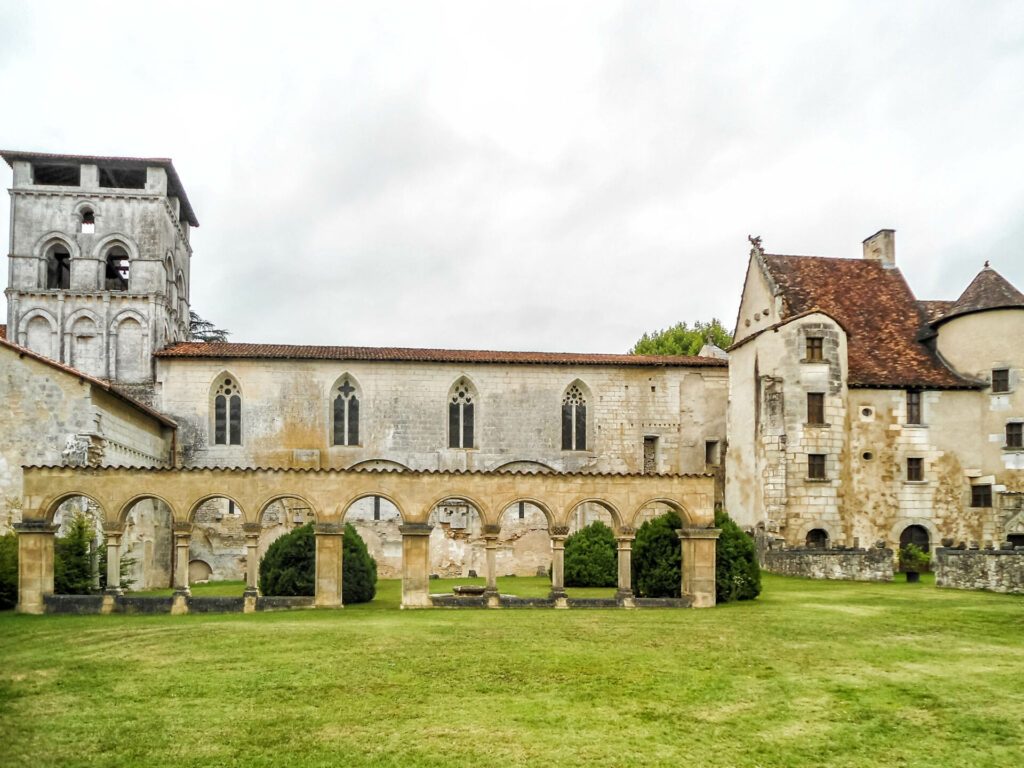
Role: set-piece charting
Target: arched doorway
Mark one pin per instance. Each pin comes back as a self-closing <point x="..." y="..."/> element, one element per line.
<point x="147" y="546"/>
<point x="916" y="535"/>
<point x="817" y="538"/>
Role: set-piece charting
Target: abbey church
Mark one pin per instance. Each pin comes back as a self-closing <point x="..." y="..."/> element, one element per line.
<point x="848" y="412"/>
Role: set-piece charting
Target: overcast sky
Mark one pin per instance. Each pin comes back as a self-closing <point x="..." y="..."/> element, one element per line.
<point x="537" y="176"/>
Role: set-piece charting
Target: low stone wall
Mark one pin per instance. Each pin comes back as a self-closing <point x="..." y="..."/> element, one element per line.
<point x="94" y="604"/>
<point x="995" y="570"/>
<point x="845" y="564"/>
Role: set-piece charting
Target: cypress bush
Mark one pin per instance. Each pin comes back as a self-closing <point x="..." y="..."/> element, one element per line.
<point x="359" y="569"/>
<point x="72" y="558"/>
<point x="289" y="566"/>
<point x="590" y="557"/>
<point x="657" y="558"/>
<point x="737" y="576"/>
<point x="8" y="571"/>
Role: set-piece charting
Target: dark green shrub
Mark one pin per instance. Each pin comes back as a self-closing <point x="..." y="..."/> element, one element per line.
<point x="289" y="564"/>
<point x="8" y="571"/>
<point x="289" y="567"/>
<point x="72" y="558"/>
<point x="738" y="576"/>
<point x="359" y="570"/>
<point x="657" y="558"/>
<point x="590" y="558"/>
<point x="913" y="559"/>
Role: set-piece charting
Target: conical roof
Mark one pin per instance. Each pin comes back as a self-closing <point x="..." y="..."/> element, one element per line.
<point x="989" y="290"/>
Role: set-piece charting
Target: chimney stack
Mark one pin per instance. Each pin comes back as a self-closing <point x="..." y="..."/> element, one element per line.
<point x="881" y="247"/>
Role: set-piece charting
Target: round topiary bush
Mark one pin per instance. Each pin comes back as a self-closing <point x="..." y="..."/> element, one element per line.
<point x="657" y="558"/>
<point x="359" y="570"/>
<point x="288" y="567"/>
<point x="737" y="576"/>
<point x="590" y="557"/>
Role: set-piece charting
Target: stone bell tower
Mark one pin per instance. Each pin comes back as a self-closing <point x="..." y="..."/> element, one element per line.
<point x="98" y="263"/>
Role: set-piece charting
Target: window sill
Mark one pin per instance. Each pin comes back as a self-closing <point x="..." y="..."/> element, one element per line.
<point x="915" y="482"/>
<point x="817" y="479"/>
<point x="915" y="426"/>
<point x="817" y="425"/>
<point x="812" y="362"/>
<point x="1013" y="449"/>
<point x="356" y="445"/>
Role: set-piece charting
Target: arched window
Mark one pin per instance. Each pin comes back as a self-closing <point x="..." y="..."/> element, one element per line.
<point x="116" y="276"/>
<point x="916" y="535"/>
<point x="346" y="412"/>
<point x="227" y="413"/>
<point x="88" y="221"/>
<point x="574" y="419"/>
<point x="461" y="414"/>
<point x="817" y="538"/>
<point x="58" y="267"/>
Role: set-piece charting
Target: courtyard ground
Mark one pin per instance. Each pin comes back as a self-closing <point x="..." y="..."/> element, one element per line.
<point x="812" y="673"/>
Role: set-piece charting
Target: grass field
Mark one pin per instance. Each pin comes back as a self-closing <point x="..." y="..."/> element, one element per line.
<point x="812" y="673"/>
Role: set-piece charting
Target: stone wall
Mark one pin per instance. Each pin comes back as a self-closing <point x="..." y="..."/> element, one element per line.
<point x="850" y="564"/>
<point x="998" y="570"/>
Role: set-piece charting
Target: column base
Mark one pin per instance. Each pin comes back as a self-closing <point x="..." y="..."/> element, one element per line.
<point x="624" y="597"/>
<point x="493" y="598"/>
<point x="560" y="597"/>
<point x="110" y="600"/>
<point x="179" y="601"/>
<point x="32" y="609"/>
<point x="249" y="598"/>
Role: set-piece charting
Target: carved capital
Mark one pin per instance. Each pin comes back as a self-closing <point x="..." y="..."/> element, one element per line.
<point x="35" y="525"/>
<point x="113" y="529"/>
<point x="182" y="528"/>
<point x="559" y="530"/>
<point x="627" y="530"/>
<point x="699" y="533"/>
<point x="252" y="529"/>
<point x="329" y="529"/>
<point x="415" y="529"/>
<point x="491" y="530"/>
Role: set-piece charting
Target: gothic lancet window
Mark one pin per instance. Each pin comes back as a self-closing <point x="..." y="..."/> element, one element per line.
<point x="574" y="420"/>
<point x="461" y="415"/>
<point x="346" y="412"/>
<point x="227" y="414"/>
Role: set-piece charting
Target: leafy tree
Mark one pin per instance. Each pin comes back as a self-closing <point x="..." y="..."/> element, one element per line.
<point x="288" y="567"/>
<point x="72" y="558"/>
<point x="8" y="571"/>
<point x="203" y="330"/>
<point x="738" y="576"/>
<point x="590" y="557"/>
<point x="127" y="563"/>
<point x="681" y="339"/>
<point x="359" y="570"/>
<point x="657" y="559"/>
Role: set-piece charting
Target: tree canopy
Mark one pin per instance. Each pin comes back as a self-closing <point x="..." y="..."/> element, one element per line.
<point x="681" y="339"/>
<point x="203" y="330"/>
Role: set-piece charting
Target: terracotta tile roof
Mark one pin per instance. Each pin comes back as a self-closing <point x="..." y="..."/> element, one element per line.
<point x="104" y="385"/>
<point x="3" y="331"/>
<point x="877" y="309"/>
<point x="934" y="310"/>
<point x="988" y="290"/>
<point x="174" y="185"/>
<point x="199" y="349"/>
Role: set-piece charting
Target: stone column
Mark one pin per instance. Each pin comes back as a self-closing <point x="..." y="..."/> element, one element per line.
<point x="252" y="564"/>
<point x="35" y="563"/>
<point x="415" y="564"/>
<point x="113" y="532"/>
<point x="699" y="545"/>
<point x="330" y="541"/>
<point x="624" y="594"/>
<point x="558" y="536"/>
<point x="491" y="543"/>
<point x="182" y="540"/>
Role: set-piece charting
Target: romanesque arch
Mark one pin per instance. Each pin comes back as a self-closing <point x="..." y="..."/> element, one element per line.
<point x="37" y="330"/>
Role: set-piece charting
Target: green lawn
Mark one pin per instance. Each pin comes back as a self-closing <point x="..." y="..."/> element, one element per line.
<point x="812" y="673"/>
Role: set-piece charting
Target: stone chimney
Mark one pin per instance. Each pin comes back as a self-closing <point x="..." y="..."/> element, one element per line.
<point x="881" y="246"/>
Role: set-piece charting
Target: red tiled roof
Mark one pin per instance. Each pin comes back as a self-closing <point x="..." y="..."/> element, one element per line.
<point x="934" y="310"/>
<point x="199" y="349"/>
<point x="988" y="290"/>
<point x="104" y="385"/>
<point x="174" y="185"/>
<point x="877" y="309"/>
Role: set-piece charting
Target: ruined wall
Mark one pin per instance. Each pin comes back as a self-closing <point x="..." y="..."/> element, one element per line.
<point x="403" y="414"/>
<point x="848" y="564"/>
<point x="993" y="570"/>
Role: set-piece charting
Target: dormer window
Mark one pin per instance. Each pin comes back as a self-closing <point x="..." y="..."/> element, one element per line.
<point x="815" y="349"/>
<point x="1000" y="380"/>
<point x="88" y="222"/>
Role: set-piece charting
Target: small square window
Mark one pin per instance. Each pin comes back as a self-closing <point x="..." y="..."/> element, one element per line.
<point x="981" y="495"/>
<point x="1015" y="435"/>
<point x="1000" y="379"/>
<point x="815" y="407"/>
<point x="816" y="466"/>
<point x="914" y="408"/>
<point x="915" y="470"/>
<point x="815" y="349"/>
<point x="711" y="456"/>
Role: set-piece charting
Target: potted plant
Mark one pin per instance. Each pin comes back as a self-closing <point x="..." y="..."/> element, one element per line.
<point x="913" y="560"/>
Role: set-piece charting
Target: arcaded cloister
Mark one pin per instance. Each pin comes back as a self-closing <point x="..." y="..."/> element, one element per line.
<point x="329" y="495"/>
